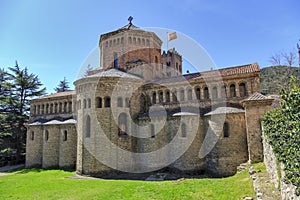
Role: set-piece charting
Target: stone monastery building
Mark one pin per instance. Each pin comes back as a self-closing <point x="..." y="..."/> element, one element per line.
<point x="138" y="113"/>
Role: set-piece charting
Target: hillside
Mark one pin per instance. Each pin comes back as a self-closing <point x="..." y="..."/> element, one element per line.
<point x="273" y="78"/>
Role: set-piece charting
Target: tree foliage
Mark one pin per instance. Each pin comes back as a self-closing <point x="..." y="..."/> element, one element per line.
<point x="282" y="127"/>
<point x="17" y="88"/>
<point x="62" y="86"/>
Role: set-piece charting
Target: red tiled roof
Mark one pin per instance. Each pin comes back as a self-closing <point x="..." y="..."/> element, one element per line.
<point x="59" y="94"/>
<point x="244" y="69"/>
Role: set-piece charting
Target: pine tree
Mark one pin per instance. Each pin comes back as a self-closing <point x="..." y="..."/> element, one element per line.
<point x="62" y="86"/>
<point x="18" y="87"/>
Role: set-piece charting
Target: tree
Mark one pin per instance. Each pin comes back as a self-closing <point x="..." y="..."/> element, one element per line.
<point x="62" y="86"/>
<point x="88" y="69"/>
<point x="18" y="87"/>
<point x="283" y="58"/>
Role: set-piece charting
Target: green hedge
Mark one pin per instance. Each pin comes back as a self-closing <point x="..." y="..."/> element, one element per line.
<point x="282" y="127"/>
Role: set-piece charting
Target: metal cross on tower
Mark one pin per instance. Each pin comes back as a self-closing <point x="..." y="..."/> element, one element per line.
<point x="130" y="20"/>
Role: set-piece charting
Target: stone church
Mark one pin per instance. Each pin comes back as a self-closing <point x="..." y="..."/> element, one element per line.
<point x="139" y="113"/>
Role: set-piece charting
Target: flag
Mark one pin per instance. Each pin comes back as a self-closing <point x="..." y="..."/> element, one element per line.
<point x="172" y="36"/>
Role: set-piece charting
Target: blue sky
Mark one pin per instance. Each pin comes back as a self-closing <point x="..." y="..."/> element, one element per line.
<point x="53" y="38"/>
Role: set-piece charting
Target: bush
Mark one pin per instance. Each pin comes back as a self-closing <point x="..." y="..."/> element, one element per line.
<point x="282" y="127"/>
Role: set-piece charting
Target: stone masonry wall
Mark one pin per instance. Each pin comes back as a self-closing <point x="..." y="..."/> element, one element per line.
<point x="287" y="191"/>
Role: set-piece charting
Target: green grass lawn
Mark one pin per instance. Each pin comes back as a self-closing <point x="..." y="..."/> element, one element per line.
<point x="55" y="184"/>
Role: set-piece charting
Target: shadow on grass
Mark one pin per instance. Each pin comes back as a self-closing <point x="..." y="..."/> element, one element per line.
<point x="35" y="170"/>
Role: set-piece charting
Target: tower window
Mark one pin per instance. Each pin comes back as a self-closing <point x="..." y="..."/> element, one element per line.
<point x="242" y="88"/>
<point x="232" y="90"/>
<point x="99" y="102"/>
<point x="167" y="96"/>
<point x="154" y="98"/>
<point x="206" y="93"/>
<point x="107" y="102"/>
<point x="198" y="94"/>
<point x="115" y="60"/>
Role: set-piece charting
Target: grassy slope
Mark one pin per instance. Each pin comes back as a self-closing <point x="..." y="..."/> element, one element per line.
<point x="54" y="184"/>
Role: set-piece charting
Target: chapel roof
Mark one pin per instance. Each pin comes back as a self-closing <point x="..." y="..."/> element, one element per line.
<point x="115" y="73"/>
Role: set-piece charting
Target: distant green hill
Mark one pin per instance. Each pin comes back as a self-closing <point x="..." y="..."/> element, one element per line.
<point x="274" y="78"/>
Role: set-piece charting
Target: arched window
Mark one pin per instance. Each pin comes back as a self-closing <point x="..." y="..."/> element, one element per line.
<point x="152" y="127"/>
<point x="161" y="96"/>
<point x="242" y="89"/>
<point x="183" y="130"/>
<point x="106" y="44"/>
<point x="174" y="96"/>
<point x="182" y="95"/>
<point x="143" y="41"/>
<point x="39" y="108"/>
<point x="154" y="97"/>
<point x="130" y="40"/>
<point x="60" y="107"/>
<point x="214" y="92"/>
<point x="139" y="41"/>
<point x="32" y="135"/>
<point x="115" y="60"/>
<point x="198" y="94"/>
<point x="46" y="135"/>
<point x="120" y="102"/>
<point x="84" y="103"/>
<point x="107" y="102"/>
<point x="65" y="135"/>
<point x="89" y="102"/>
<point x="232" y="90"/>
<point x="99" y="102"/>
<point x="225" y="130"/>
<point x="110" y="43"/>
<point x="167" y="96"/>
<point x="79" y="104"/>
<point x="88" y="127"/>
<point x="122" y="123"/>
<point x="70" y="106"/>
<point x="55" y="108"/>
<point x="147" y="42"/>
<point x="206" y="93"/>
<point x="223" y="91"/>
<point x="134" y="40"/>
<point x="47" y="109"/>
<point x="190" y="94"/>
<point x="122" y="40"/>
<point x="65" y="106"/>
<point x="51" y="108"/>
